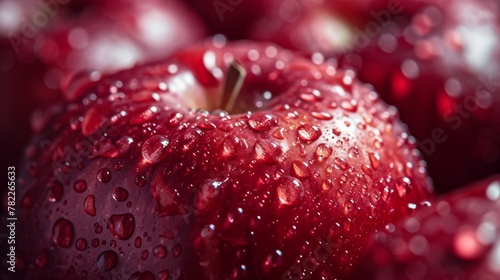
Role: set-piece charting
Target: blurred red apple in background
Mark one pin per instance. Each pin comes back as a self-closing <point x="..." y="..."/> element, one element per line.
<point x="436" y="62"/>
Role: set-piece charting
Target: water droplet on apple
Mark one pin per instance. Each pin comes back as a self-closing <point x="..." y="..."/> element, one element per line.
<point x="140" y="180"/>
<point x="322" y="116"/>
<point x="230" y="146"/>
<point x="402" y="186"/>
<point x="374" y="160"/>
<point x="138" y="242"/>
<point x="120" y="194"/>
<point x="207" y="125"/>
<point x="121" y="226"/>
<point x="144" y="255"/>
<point x="80" y="186"/>
<point x="81" y="244"/>
<point x="104" y="175"/>
<point x="190" y="138"/>
<point x="177" y="250"/>
<point x="308" y="132"/>
<point x="89" y="205"/>
<point x="350" y="106"/>
<point x="290" y="191"/>
<point x="323" y="152"/>
<point x="55" y="191"/>
<point x="144" y="117"/>
<point x="163" y="275"/>
<point x="340" y="163"/>
<point x="154" y="149"/>
<point x="95" y="242"/>
<point x="160" y="251"/>
<point x="107" y="260"/>
<point x="273" y="260"/>
<point x="261" y="121"/>
<point x="62" y="233"/>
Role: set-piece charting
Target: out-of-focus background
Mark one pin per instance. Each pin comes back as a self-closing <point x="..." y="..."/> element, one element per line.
<point x="436" y="61"/>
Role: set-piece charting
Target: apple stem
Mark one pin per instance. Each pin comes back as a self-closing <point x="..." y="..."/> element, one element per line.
<point x="234" y="81"/>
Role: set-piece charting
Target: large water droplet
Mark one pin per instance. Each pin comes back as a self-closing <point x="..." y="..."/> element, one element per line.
<point x="120" y="194"/>
<point x="340" y="163"/>
<point x="55" y="191"/>
<point x="107" y="260"/>
<point x="290" y="191"/>
<point x="261" y="121"/>
<point x="121" y="226"/>
<point x="154" y="149"/>
<point x="104" y="175"/>
<point x="62" y="233"/>
<point x="89" y="205"/>
<point x="308" y="132"/>
<point x="300" y="169"/>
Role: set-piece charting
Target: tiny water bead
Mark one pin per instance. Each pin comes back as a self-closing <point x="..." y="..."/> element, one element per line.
<point x="55" y="191"/>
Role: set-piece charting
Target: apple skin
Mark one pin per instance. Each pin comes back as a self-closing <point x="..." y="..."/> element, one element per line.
<point x="457" y="238"/>
<point x="289" y="191"/>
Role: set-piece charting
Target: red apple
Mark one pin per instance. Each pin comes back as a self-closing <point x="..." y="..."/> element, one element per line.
<point x="134" y="176"/>
<point x="457" y="238"/>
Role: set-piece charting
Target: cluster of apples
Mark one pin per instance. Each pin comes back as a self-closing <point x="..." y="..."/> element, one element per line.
<point x="235" y="139"/>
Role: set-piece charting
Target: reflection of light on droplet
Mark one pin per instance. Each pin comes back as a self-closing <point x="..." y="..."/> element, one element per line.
<point x="484" y="99"/>
<point x="290" y="10"/>
<point x="271" y="51"/>
<point x="410" y="68"/>
<point x="172" y="68"/>
<point x="267" y="95"/>
<point x="493" y="191"/>
<point x="443" y="208"/>
<point x="78" y="38"/>
<point x="209" y="60"/>
<point x="453" y="87"/>
<point x="387" y="43"/>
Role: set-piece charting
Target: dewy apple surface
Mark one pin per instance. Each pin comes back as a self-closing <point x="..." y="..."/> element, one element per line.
<point x="290" y="183"/>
